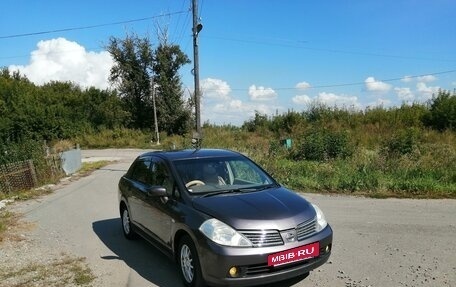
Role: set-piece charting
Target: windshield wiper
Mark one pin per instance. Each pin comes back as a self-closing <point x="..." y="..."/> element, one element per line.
<point x="239" y="190"/>
<point x="220" y="192"/>
<point x="268" y="186"/>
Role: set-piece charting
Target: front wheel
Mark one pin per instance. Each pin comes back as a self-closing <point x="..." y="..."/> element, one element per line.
<point x="190" y="268"/>
<point x="126" y="224"/>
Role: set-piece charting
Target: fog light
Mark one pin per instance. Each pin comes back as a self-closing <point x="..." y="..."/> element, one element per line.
<point x="327" y="249"/>
<point x="234" y="271"/>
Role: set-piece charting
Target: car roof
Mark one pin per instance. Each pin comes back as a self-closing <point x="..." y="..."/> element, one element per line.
<point x="191" y="153"/>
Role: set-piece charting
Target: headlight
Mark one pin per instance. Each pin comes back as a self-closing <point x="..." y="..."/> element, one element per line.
<point x="222" y="234"/>
<point x="321" y="220"/>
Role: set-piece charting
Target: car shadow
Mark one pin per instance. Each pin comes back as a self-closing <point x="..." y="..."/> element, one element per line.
<point x="146" y="260"/>
<point x="139" y="255"/>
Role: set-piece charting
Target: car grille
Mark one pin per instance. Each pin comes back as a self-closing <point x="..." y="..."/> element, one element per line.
<point x="263" y="238"/>
<point x="306" y="229"/>
<point x="266" y="238"/>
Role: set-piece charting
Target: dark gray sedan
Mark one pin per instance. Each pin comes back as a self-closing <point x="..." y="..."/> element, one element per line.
<point x="222" y="218"/>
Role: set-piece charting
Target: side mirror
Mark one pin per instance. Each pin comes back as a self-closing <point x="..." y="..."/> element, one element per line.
<point x="157" y="191"/>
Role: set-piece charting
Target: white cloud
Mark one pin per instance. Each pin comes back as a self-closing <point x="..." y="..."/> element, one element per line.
<point x="302" y="85"/>
<point x="405" y="94"/>
<point x="234" y="112"/>
<point x="219" y="107"/>
<point x="328" y="99"/>
<point x="235" y="104"/>
<point x="63" y="60"/>
<point x="407" y="79"/>
<point x="333" y="100"/>
<point x="302" y="100"/>
<point x="230" y="106"/>
<point x="380" y="103"/>
<point x="426" y="92"/>
<point x="376" y="86"/>
<point x="427" y="78"/>
<point x="220" y="113"/>
<point x="215" y="89"/>
<point x="261" y="93"/>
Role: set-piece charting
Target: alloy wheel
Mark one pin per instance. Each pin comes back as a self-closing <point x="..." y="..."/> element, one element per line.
<point x="126" y="221"/>
<point x="186" y="263"/>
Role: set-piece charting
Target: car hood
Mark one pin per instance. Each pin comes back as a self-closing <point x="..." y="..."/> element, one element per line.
<point x="275" y="208"/>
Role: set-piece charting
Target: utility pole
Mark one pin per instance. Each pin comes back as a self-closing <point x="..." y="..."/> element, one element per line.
<point x="198" y="136"/>
<point x="157" y="134"/>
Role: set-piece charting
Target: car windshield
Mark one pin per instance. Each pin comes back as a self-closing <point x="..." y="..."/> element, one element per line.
<point x="219" y="174"/>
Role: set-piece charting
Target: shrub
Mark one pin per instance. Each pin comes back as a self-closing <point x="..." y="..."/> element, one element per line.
<point x="442" y="113"/>
<point x="312" y="147"/>
<point x="321" y="145"/>
<point x="24" y="150"/>
<point x="401" y="143"/>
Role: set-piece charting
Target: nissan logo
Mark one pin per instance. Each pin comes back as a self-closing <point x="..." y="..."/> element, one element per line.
<point x="289" y="236"/>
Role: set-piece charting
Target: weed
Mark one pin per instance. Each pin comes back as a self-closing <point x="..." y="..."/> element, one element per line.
<point x="11" y="224"/>
<point x="88" y="167"/>
<point x="62" y="271"/>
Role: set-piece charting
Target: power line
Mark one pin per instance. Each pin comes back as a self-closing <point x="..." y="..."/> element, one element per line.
<point x="179" y="34"/>
<point x="185" y="26"/>
<point x="201" y="8"/>
<point x="91" y="26"/>
<point x="386" y="80"/>
<point x="267" y="41"/>
<point x="348" y="84"/>
<point x="298" y="45"/>
<point x="91" y="49"/>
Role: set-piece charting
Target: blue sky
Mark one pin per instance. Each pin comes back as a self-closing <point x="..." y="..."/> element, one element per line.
<point x="268" y="56"/>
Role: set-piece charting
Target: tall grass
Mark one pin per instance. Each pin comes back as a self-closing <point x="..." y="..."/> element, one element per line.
<point x="429" y="171"/>
<point x="407" y="162"/>
<point x="117" y="138"/>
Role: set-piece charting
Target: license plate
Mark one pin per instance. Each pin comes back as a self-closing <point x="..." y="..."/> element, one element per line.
<point x="295" y="254"/>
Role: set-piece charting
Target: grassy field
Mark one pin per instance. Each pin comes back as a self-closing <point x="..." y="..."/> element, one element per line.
<point x="377" y="152"/>
<point x="411" y="163"/>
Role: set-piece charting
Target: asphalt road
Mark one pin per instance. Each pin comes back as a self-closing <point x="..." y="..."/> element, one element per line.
<point x="377" y="242"/>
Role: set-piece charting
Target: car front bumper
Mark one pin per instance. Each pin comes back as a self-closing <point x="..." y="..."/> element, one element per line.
<point x="252" y="263"/>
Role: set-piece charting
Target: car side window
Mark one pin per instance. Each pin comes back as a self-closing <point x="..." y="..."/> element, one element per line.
<point x="141" y="172"/>
<point x="162" y="177"/>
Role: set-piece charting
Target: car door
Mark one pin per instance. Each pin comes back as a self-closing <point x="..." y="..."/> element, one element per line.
<point x="161" y="212"/>
<point x="138" y="182"/>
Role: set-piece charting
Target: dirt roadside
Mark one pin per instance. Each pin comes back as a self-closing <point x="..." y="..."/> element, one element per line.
<point x="30" y="257"/>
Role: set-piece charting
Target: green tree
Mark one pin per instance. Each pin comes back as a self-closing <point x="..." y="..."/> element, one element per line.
<point x="103" y="109"/>
<point x="18" y="102"/>
<point x="137" y="66"/>
<point x="173" y="113"/>
<point x="56" y="110"/>
<point x="258" y="123"/>
<point x="442" y="113"/>
<point x="131" y="75"/>
<point x="287" y="124"/>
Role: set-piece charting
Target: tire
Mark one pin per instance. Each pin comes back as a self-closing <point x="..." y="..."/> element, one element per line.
<point x="189" y="265"/>
<point x="126" y="224"/>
